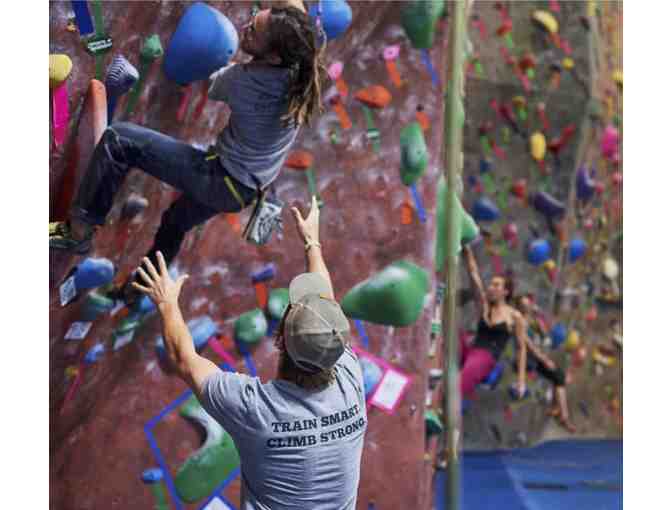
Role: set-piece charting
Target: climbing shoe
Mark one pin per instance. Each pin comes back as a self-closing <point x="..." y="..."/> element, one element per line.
<point x="61" y="238"/>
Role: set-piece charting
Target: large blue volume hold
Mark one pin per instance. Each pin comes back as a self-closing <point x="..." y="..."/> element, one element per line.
<point x="204" y="41"/>
<point x="93" y="273"/>
<point x="336" y="16"/>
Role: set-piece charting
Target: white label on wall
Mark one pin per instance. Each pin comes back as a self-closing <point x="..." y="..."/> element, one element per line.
<point x="67" y="290"/>
<point x="78" y="330"/>
<point x="217" y="504"/>
<point x="390" y="390"/>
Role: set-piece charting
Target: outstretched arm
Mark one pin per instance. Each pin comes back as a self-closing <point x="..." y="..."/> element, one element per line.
<point x="165" y="292"/>
<point x="309" y="232"/>
<point x="521" y="336"/>
<point x="475" y="278"/>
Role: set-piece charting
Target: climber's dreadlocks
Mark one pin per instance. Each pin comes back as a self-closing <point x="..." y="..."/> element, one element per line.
<point x="294" y="37"/>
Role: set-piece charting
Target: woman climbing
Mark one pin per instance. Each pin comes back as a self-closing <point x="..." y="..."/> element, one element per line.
<point x="270" y="98"/>
<point x="544" y="365"/>
<point x="497" y="322"/>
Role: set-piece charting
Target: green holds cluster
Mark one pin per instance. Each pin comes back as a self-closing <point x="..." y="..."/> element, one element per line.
<point x="278" y="299"/>
<point x="152" y="49"/>
<point x="392" y="297"/>
<point x="433" y="425"/>
<point x="419" y="19"/>
<point x="467" y="229"/>
<point x="251" y="326"/>
<point x="414" y="156"/>
<point x="209" y="466"/>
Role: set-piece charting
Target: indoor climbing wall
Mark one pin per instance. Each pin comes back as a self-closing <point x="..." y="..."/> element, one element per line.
<point x="124" y="431"/>
<point x="542" y="178"/>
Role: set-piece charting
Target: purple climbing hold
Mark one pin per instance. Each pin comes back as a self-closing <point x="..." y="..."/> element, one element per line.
<point x="585" y="185"/>
<point x="558" y="335"/>
<point x="485" y="210"/>
<point x="547" y="205"/>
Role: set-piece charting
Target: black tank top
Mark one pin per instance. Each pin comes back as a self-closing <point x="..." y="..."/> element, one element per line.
<point x="492" y="338"/>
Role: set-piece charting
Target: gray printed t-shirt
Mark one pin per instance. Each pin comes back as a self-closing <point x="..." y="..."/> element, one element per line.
<point x="298" y="449"/>
<point x="254" y="142"/>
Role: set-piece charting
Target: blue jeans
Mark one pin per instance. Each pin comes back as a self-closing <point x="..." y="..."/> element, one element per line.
<point x="124" y="146"/>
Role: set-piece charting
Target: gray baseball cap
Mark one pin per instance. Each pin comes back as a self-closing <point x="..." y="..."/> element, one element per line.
<point x="316" y="329"/>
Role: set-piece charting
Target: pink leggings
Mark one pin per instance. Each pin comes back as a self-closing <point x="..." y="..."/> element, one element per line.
<point x="476" y="362"/>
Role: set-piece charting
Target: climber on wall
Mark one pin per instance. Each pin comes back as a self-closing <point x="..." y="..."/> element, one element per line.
<point x="300" y="437"/>
<point x="497" y="322"/>
<point x="270" y="98"/>
<point x="544" y="365"/>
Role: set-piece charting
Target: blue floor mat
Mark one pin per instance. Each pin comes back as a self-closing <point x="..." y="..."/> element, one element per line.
<point x="556" y="475"/>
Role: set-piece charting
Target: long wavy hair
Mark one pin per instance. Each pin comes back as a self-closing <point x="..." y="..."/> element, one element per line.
<point x="296" y="40"/>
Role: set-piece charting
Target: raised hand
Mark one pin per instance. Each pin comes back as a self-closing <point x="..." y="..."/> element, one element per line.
<point x="308" y="228"/>
<point x="160" y="287"/>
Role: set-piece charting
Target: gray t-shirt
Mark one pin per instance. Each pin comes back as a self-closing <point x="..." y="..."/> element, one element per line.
<point x="299" y="450"/>
<point x="254" y="142"/>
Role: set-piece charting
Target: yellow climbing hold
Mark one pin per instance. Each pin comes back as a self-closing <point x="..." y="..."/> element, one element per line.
<point x="59" y="69"/>
<point x="538" y="146"/>
<point x="610" y="268"/>
<point x="618" y="77"/>
<point x="71" y="371"/>
<point x="573" y="341"/>
<point x="546" y="20"/>
<point x="568" y="63"/>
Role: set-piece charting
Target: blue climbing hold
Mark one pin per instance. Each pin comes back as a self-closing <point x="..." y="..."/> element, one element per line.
<point x="372" y="375"/>
<point x="92" y="273"/>
<point x="577" y="248"/>
<point x="336" y="16"/>
<point x="485" y="166"/>
<point x="94" y="354"/>
<point x="485" y="210"/>
<point x="493" y="378"/>
<point x="201" y="329"/>
<point x="152" y="475"/>
<point x="145" y="306"/>
<point x="204" y="41"/>
<point x="538" y="252"/>
<point x="558" y="335"/>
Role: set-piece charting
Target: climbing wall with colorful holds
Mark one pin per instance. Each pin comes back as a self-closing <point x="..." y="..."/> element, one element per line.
<point x="542" y="178"/>
<point x="124" y="431"/>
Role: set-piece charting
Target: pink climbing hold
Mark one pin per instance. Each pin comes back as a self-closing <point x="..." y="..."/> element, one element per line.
<point x="609" y="142"/>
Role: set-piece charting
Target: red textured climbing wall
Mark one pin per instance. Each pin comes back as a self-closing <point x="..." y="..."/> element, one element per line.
<point x="97" y="443"/>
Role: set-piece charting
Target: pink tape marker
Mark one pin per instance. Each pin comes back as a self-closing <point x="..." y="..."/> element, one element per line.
<point x="61" y="113"/>
<point x="219" y="351"/>
<point x="184" y="103"/>
<point x="554" y="5"/>
<point x="390" y="54"/>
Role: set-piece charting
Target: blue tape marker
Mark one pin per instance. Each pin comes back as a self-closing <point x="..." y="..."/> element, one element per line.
<point x="272" y="324"/>
<point x="215" y="494"/>
<point x="82" y="17"/>
<point x="159" y="458"/>
<point x="151" y="423"/>
<point x="418" y="204"/>
<point x="250" y="365"/>
<point x="427" y="60"/>
<point x="362" y="333"/>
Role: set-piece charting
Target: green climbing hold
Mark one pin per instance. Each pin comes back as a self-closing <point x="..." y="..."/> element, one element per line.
<point x="414" y="156"/>
<point x="393" y="297"/>
<point x="251" y="326"/>
<point x="419" y="18"/>
<point x="212" y="463"/>
<point x="152" y="48"/>
<point x="433" y="425"/>
<point x="466" y="232"/>
<point x="278" y="299"/>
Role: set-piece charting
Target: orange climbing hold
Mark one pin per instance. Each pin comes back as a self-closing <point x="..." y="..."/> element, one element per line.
<point x="299" y="160"/>
<point x="375" y="96"/>
<point x="339" y="108"/>
<point x="406" y="213"/>
<point x="422" y="118"/>
<point x="234" y="221"/>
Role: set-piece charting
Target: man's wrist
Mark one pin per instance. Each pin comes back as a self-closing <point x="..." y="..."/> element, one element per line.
<point x="168" y="307"/>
